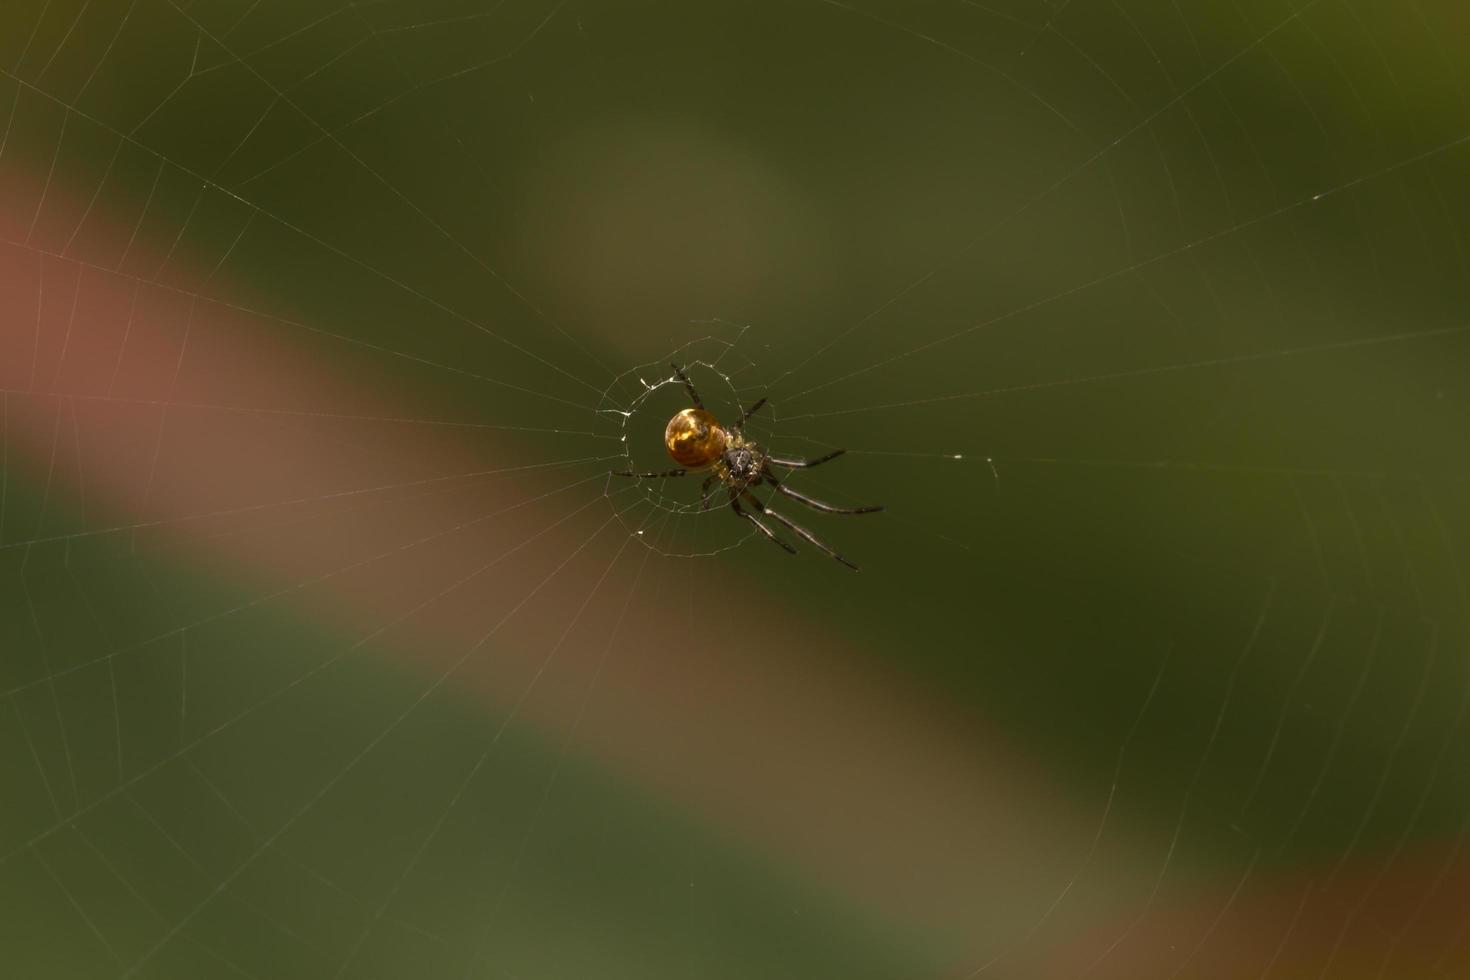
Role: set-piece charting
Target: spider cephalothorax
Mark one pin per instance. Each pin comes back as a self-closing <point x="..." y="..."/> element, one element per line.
<point x="696" y="441"/>
<point x="743" y="462"/>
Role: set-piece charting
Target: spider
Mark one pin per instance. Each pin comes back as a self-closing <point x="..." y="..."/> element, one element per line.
<point x="696" y="439"/>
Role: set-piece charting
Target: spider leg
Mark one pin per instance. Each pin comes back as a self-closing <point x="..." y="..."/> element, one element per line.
<point x="748" y="413"/>
<point x="649" y="476"/>
<point x="816" y="504"/>
<point x="803" y="463"/>
<point x="797" y="528"/>
<point x="688" y="386"/>
<point x="735" y="505"/>
<point x="704" y="492"/>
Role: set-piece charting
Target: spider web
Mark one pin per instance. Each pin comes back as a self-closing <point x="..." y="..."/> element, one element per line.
<point x="330" y="648"/>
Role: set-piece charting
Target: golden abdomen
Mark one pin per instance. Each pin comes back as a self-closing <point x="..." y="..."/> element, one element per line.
<point x="694" y="438"/>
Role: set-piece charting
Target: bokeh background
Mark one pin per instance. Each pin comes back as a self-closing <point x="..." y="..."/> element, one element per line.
<point x="329" y="649"/>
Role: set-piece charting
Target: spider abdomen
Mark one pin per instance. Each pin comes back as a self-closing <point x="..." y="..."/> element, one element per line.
<point x="694" y="438"/>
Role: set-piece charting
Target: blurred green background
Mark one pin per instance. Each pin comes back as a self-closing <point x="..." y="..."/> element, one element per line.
<point x="1147" y="322"/>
